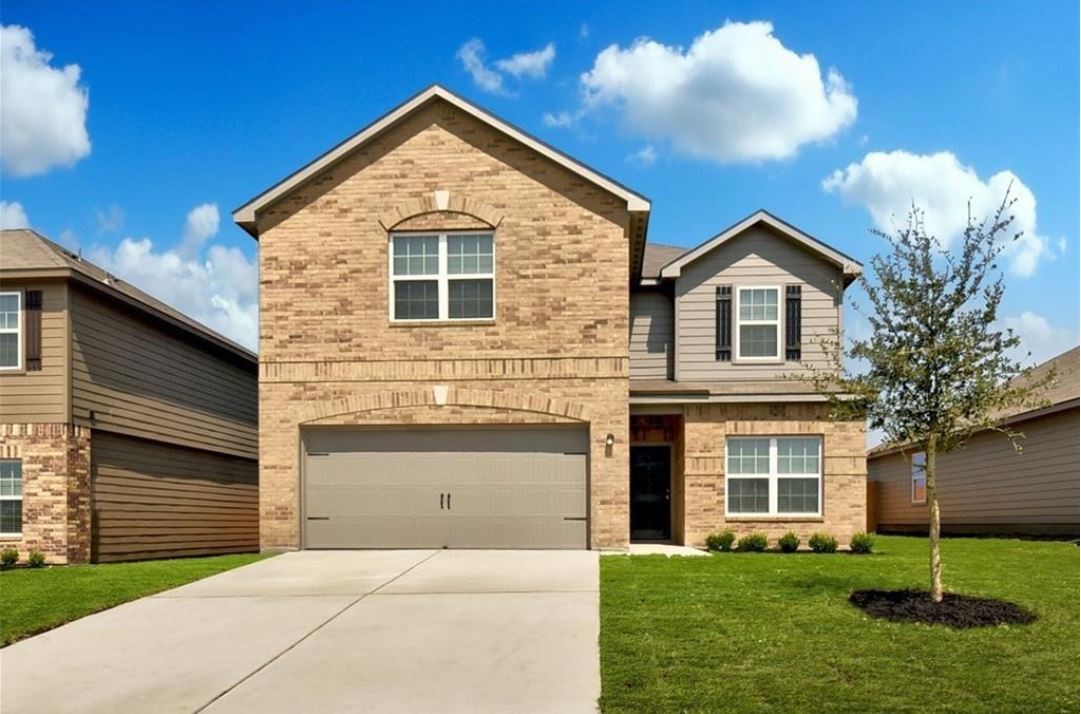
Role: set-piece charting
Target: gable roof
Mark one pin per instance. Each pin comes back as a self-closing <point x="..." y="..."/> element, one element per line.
<point x="849" y="265"/>
<point x="28" y="254"/>
<point x="245" y="215"/>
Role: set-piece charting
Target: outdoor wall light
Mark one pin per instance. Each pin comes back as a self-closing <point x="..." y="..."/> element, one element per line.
<point x="609" y="440"/>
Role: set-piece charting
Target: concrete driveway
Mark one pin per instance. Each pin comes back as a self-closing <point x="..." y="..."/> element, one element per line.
<point x="333" y="631"/>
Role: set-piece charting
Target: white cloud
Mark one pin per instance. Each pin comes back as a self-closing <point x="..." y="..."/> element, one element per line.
<point x="68" y="239"/>
<point x="471" y="55"/>
<point x="887" y="184"/>
<point x="737" y="94"/>
<point x="42" y="108"/>
<point x="201" y="224"/>
<point x="562" y="119"/>
<point x="1039" y="337"/>
<point x="529" y="64"/>
<point x="646" y="156"/>
<point x="218" y="286"/>
<point x="110" y="220"/>
<point x="12" y="215"/>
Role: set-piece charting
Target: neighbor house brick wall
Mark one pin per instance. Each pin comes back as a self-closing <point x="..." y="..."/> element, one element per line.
<point x="56" y="489"/>
<point x="557" y="348"/>
<point x="707" y="426"/>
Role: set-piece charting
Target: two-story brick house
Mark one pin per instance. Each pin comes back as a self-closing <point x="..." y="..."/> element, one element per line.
<point x="465" y="341"/>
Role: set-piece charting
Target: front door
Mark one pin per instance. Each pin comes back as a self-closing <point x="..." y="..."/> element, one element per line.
<point x="651" y="493"/>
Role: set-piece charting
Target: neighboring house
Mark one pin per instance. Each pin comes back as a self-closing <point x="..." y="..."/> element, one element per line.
<point x="988" y="487"/>
<point x="127" y="430"/>
<point x="465" y="341"/>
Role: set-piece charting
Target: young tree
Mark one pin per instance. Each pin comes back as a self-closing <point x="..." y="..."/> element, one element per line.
<point x="936" y="364"/>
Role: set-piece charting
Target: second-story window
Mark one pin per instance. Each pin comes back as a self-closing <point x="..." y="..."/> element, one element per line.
<point x="10" y="330"/>
<point x="442" y="277"/>
<point x="758" y="323"/>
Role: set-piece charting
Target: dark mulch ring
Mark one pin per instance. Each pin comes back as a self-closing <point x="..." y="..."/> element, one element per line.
<point x="959" y="611"/>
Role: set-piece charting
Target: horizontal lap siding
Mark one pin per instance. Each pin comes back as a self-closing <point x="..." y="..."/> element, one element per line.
<point x="988" y="483"/>
<point x="40" y="396"/>
<point x="153" y="500"/>
<point x="757" y="258"/>
<point x="651" y="335"/>
<point x="142" y="380"/>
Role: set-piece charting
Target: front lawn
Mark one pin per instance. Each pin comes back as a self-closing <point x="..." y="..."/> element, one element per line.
<point x="772" y="632"/>
<point x="32" y="601"/>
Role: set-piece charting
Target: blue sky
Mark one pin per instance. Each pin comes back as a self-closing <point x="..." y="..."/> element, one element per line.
<point x="194" y="105"/>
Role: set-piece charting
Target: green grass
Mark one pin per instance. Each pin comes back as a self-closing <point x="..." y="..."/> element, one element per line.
<point x="760" y="632"/>
<point x="32" y="601"/>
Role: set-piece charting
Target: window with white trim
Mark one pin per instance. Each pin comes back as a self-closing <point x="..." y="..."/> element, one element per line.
<point x="11" y="497"/>
<point x="773" y="476"/>
<point x="11" y="330"/>
<point x="445" y="276"/>
<point x="919" y="477"/>
<point x="758" y="323"/>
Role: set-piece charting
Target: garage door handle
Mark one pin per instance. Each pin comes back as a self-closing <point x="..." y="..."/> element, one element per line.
<point x="441" y="501"/>
<point x="574" y="518"/>
<point x="318" y="518"/>
<point x="448" y="501"/>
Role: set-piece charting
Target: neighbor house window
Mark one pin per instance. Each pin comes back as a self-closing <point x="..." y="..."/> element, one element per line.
<point x="11" y="497"/>
<point x="919" y="477"/>
<point x="773" y="476"/>
<point x="442" y="277"/>
<point x="758" y="323"/>
<point x="10" y="330"/>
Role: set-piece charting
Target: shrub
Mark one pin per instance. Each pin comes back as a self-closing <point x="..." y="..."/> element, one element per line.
<point x="721" y="540"/>
<point x="789" y="542"/>
<point x="862" y="543"/>
<point x="822" y="543"/>
<point x="36" y="559"/>
<point x="8" y="558"/>
<point x="753" y="542"/>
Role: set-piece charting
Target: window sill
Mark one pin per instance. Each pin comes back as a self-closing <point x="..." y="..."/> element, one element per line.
<point x="442" y="323"/>
<point x="10" y="536"/>
<point x="774" y="519"/>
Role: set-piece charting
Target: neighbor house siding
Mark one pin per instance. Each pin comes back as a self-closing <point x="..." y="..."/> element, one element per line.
<point x="141" y="379"/>
<point x="40" y="396"/>
<point x="758" y="257"/>
<point x="651" y="334"/>
<point x="988" y="486"/>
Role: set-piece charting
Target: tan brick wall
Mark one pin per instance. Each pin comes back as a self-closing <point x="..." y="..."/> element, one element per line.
<point x="844" y="502"/>
<point x="557" y="348"/>
<point x="56" y="489"/>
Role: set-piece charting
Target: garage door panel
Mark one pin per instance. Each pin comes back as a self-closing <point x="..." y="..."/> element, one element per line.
<point x="505" y="488"/>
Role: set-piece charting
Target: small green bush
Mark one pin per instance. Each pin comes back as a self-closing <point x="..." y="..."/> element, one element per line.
<point x="721" y="540"/>
<point x="789" y="542"/>
<point x="862" y="543"/>
<point x="8" y="558"/>
<point x="753" y="543"/>
<point x="36" y="559"/>
<point x="822" y="543"/>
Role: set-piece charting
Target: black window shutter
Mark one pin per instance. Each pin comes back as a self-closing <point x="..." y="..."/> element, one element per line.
<point x="724" y="323"/>
<point x="793" y="317"/>
<point x="32" y="321"/>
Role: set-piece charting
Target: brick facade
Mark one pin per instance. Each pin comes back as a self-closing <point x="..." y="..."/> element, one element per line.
<point x="56" y="489"/>
<point x="557" y="349"/>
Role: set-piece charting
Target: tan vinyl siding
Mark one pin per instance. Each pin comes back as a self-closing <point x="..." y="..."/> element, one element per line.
<point x="651" y="335"/>
<point x="142" y="380"/>
<point x="40" y="396"/>
<point x="760" y="258"/>
<point x="987" y="483"/>
<point x="153" y="500"/>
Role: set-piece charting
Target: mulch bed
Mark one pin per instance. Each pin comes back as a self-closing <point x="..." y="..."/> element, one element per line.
<point x="959" y="611"/>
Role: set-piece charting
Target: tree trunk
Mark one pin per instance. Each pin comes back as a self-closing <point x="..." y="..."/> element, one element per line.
<point x="934" y="519"/>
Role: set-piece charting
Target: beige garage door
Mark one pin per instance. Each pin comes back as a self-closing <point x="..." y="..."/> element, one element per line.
<point x="454" y="488"/>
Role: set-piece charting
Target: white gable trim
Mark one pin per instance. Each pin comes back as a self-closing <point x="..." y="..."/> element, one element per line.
<point x="245" y="216"/>
<point x="850" y="267"/>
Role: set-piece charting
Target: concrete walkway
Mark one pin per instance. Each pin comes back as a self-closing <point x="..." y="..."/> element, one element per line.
<point x="333" y="631"/>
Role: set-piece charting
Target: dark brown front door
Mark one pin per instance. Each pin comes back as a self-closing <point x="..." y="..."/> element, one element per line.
<point x="651" y="493"/>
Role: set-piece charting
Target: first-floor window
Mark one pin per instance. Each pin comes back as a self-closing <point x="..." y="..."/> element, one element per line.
<point x="919" y="477"/>
<point x="442" y="277"/>
<point x="774" y="476"/>
<point x="11" y="496"/>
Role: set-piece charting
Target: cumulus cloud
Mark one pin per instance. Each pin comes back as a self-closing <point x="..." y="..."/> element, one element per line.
<point x="736" y="95"/>
<point x="471" y="55"/>
<point x="646" y="156"/>
<point x="42" y="108"/>
<point x="529" y="64"/>
<point x="1039" y="337"/>
<point x="201" y="224"/>
<point x="887" y="184"/>
<point x="562" y="119"/>
<point x="110" y="220"/>
<point x="216" y="285"/>
<point x="12" y="215"/>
